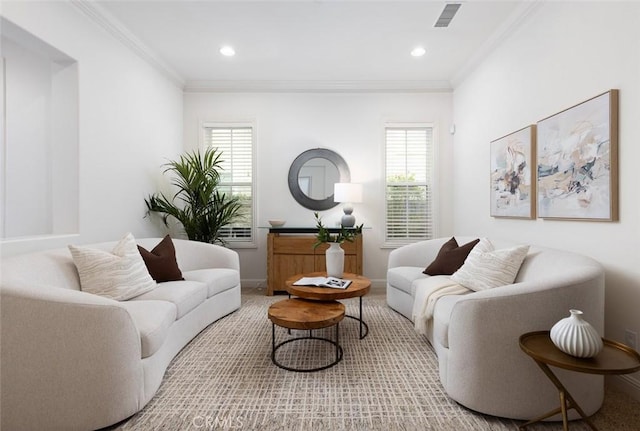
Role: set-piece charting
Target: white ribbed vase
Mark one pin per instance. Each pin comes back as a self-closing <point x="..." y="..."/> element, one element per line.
<point x="335" y="260"/>
<point x="576" y="337"/>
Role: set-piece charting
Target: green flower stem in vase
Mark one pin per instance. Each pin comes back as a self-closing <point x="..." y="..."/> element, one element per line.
<point x="334" y="255"/>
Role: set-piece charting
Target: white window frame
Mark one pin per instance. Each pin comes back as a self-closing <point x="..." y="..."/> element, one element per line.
<point x="206" y="124"/>
<point x="431" y="179"/>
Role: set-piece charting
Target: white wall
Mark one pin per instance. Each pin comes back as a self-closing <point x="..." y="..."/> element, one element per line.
<point x="351" y="124"/>
<point x="40" y="145"/>
<point x="564" y="53"/>
<point x="27" y="178"/>
<point x="130" y="121"/>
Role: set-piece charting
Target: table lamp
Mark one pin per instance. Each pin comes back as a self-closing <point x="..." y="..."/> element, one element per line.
<point x="347" y="193"/>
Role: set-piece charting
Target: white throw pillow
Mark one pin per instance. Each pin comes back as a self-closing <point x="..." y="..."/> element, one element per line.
<point x="120" y="274"/>
<point x="487" y="267"/>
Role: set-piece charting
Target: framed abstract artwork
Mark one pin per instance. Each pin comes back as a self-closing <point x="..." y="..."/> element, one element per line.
<point x="513" y="186"/>
<point x="578" y="161"/>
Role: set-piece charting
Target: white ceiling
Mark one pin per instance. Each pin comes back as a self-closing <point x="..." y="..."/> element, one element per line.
<point x="306" y="44"/>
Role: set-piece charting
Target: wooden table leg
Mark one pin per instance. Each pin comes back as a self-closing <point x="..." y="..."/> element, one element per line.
<point x="563" y="408"/>
<point x="566" y="402"/>
<point x="540" y="418"/>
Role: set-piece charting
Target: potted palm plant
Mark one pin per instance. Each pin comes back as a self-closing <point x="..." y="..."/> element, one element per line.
<point x="199" y="205"/>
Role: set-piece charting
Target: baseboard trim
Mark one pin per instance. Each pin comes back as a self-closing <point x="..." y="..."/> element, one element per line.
<point x="378" y="286"/>
<point x="252" y="283"/>
<point x="625" y="383"/>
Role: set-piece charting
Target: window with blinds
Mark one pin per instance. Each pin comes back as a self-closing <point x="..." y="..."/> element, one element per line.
<point x="409" y="166"/>
<point x="236" y="177"/>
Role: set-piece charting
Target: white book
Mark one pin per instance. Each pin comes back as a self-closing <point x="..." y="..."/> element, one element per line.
<point x="334" y="282"/>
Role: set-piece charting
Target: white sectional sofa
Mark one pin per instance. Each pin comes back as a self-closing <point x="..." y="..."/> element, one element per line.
<point x="475" y="335"/>
<point x="71" y="360"/>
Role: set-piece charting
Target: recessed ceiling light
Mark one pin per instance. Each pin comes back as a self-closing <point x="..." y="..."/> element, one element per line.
<point x="418" y="51"/>
<point x="227" y="51"/>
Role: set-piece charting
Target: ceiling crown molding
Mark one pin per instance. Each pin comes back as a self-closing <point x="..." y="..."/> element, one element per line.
<point x="331" y="86"/>
<point x="107" y="21"/>
<point x="515" y="20"/>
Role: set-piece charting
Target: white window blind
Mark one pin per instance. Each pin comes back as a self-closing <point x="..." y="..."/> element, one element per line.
<point x="236" y="177"/>
<point x="409" y="166"/>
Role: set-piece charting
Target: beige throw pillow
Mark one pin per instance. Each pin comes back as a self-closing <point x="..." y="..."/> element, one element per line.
<point x="487" y="267"/>
<point x="120" y="274"/>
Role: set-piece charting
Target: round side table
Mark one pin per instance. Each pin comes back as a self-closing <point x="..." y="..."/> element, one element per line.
<point x="615" y="358"/>
<point x="359" y="287"/>
<point x="307" y="315"/>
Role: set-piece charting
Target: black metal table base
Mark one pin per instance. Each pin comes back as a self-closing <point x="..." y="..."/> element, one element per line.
<point x="363" y="325"/>
<point x="274" y="349"/>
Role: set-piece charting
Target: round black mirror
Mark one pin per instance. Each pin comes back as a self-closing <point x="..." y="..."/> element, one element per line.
<point x="312" y="176"/>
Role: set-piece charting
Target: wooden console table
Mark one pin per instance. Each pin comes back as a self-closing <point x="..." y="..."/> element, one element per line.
<point x="290" y="251"/>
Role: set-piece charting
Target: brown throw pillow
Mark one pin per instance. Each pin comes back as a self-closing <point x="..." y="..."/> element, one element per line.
<point x="161" y="261"/>
<point x="450" y="257"/>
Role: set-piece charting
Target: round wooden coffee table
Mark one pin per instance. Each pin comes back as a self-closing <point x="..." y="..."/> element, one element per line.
<point x="359" y="287"/>
<point x="307" y="315"/>
<point x="615" y="358"/>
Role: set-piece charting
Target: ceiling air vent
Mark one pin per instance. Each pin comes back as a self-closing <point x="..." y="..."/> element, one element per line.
<point x="447" y="14"/>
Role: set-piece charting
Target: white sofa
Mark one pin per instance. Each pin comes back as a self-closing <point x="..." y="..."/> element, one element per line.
<point x="71" y="360"/>
<point x="475" y="335"/>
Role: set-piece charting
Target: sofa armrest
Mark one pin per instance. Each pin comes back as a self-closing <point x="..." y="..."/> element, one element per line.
<point x="535" y="305"/>
<point x="70" y="360"/>
<point x="418" y="254"/>
<point x="193" y="255"/>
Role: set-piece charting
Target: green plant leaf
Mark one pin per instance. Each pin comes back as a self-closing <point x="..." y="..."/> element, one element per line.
<point x="344" y="234"/>
<point x="197" y="203"/>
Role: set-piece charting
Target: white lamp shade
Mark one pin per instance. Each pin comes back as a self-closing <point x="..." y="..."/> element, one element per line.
<point x="347" y="192"/>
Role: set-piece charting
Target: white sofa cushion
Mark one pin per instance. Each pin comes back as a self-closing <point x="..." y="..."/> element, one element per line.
<point x="217" y="279"/>
<point x="442" y="317"/>
<point x="422" y="288"/>
<point x="186" y="295"/>
<point x="153" y="320"/>
<point x="120" y="274"/>
<point x="402" y="277"/>
<point x="486" y="268"/>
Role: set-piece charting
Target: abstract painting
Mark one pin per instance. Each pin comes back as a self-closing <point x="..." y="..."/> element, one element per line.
<point x="578" y="161"/>
<point x="512" y="180"/>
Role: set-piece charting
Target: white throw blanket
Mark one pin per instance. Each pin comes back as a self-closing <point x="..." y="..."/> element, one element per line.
<point x="426" y="297"/>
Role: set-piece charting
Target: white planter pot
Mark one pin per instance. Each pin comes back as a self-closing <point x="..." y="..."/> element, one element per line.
<point x="335" y="260"/>
<point x="576" y="337"/>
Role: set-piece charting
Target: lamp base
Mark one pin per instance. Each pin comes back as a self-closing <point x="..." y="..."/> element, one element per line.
<point x="348" y="220"/>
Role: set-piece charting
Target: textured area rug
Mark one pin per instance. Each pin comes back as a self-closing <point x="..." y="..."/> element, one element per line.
<point x="224" y="379"/>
